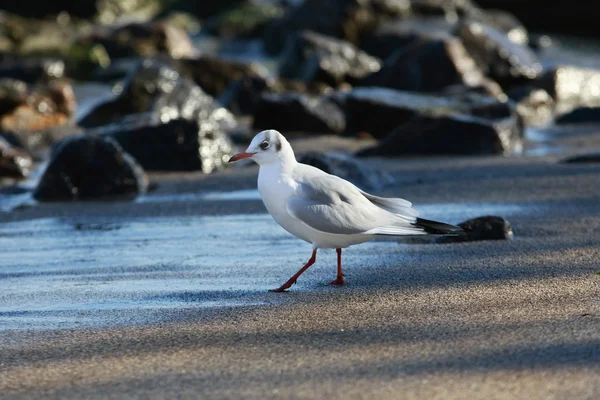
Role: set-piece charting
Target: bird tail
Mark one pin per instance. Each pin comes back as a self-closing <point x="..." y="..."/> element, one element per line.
<point x="437" y="228"/>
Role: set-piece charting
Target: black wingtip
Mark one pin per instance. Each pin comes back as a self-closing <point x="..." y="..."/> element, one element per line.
<point x="438" y="228"/>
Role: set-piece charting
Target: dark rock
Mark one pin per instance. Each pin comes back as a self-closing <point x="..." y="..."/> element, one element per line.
<point x="160" y="89"/>
<point x="428" y="66"/>
<point x="450" y="134"/>
<point x="31" y="70"/>
<point x="534" y="105"/>
<point x="582" y="159"/>
<point x="378" y="111"/>
<point x="580" y="115"/>
<point x="85" y="168"/>
<point x="450" y="9"/>
<point x="503" y="21"/>
<point x="245" y="20"/>
<point x="572" y="87"/>
<point x="14" y="162"/>
<point x="487" y="228"/>
<point x="28" y="111"/>
<point x="139" y="39"/>
<point x="344" y="19"/>
<point x="298" y="112"/>
<point x="348" y="168"/>
<point x="392" y="36"/>
<point x="203" y="9"/>
<point x="311" y="57"/>
<point x="500" y="58"/>
<point x="177" y="145"/>
<point x="215" y="74"/>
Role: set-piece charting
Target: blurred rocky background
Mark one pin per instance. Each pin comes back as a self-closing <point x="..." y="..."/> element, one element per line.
<point x="93" y="94"/>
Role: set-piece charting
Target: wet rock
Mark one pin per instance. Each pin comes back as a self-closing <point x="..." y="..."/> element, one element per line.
<point x="177" y="145"/>
<point x="392" y="36"/>
<point x="580" y="115"/>
<point x="311" y="57"/>
<point x="41" y="70"/>
<point x="298" y="112"/>
<point x="534" y="105"/>
<point x="348" y="168"/>
<point x="488" y="227"/>
<point x="503" y="21"/>
<point x="24" y="110"/>
<point x="344" y="19"/>
<point x="572" y="87"/>
<point x="450" y="9"/>
<point x="85" y="168"/>
<point x="158" y="88"/>
<point x="428" y="66"/>
<point x="14" y="162"/>
<point x="245" y="20"/>
<point x="378" y="111"/>
<point x="582" y="159"/>
<point x="216" y="74"/>
<point x="451" y="134"/>
<point x="139" y="39"/>
<point x="500" y="58"/>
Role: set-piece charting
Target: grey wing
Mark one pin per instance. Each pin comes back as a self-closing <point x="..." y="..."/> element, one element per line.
<point x="332" y="205"/>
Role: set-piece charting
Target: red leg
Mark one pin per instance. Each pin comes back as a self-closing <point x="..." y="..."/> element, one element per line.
<point x="292" y="280"/>
<point x="340" y="276"/>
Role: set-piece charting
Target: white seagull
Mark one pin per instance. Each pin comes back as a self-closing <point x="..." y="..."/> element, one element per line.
<point x="325" y="210"/>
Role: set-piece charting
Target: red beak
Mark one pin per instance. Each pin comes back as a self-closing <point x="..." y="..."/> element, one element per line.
<point x="239" y="156"/>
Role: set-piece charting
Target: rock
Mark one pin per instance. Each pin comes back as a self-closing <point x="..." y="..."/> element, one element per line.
<point x="582" y="159"/>
<point x="139" y="40"/>
<point x="311" y="57"/>
<point x="40" y="70"/>
<point x="378" y="111"/>
<point x="348" y="168"/>
<point x="344" y="19"/>
<point x="216" y="74"/>
<point x="183" y="20"/>
<point x="534" y="105"/>
<point x="503" y="21"/>
<point x="392" y="36"/>
<point x="245" y="20"/>
<point x="158" y="88"/>
<point x="28" y="111"/>
<point x="500" y="58"/>
<point x="203" y="9"/>
<point x="572" y="87"/>
<point x="177" y="145"/>
<point x="85" y="168"/>
<point x="450" y="9"/>
<point x="298" y="112"/>
<point x="428" y="66"/>
<point x="483" y="228"/>
<point x="581" y="115"/>
<point x="451" y="134"/>
<point x="14" y="162"/>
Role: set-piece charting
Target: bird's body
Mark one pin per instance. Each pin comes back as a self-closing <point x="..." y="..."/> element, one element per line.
<point x="323" y="209"/>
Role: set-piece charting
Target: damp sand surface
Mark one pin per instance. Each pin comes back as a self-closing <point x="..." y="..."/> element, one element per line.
<point x="166" y="296"/>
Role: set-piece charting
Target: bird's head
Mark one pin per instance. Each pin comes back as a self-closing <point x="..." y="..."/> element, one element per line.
<point x="267" y="147"/>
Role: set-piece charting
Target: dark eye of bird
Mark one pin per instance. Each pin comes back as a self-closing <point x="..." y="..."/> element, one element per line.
<point x="264" y="145"/>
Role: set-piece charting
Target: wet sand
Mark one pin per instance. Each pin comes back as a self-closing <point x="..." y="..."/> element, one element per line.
<point x="166" y="297"/>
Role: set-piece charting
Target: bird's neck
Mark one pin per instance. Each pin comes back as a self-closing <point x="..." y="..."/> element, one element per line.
<point x="283" y="166"/>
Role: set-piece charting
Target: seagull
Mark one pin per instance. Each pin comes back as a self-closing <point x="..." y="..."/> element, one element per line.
<point x="323" y="209"/>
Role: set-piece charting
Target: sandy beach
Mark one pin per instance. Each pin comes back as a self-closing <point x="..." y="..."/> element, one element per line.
<point x="171" y="309"/>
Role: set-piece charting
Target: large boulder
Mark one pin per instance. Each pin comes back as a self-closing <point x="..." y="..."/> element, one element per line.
<point x="86" y="168"/>
<point x="298" y="112"/>
<point x="451" y="134"/>
<point x="581" y="115"/>
<point x="572" y="87"/>
<point x="391" y="36"/>
<point x="177" y="145"/>
<point x="23" y="109"/>
<point x="14" y="162"/>
<point x="378" y="111"/>
<point x="429" y="66"/>
<point x="504" y="22"/>
<point x="500" y="58"/>
<point x="311" y="57"/>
